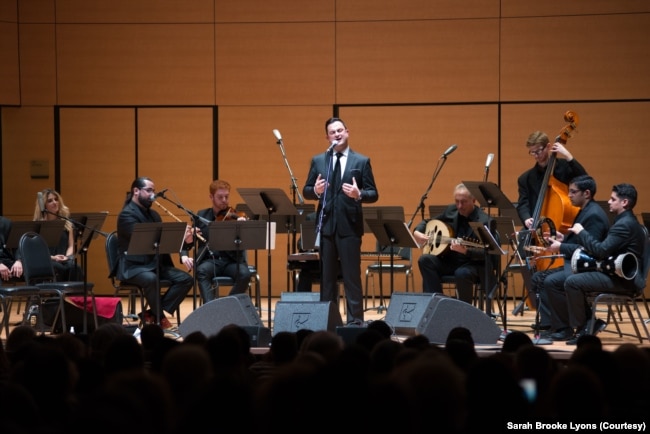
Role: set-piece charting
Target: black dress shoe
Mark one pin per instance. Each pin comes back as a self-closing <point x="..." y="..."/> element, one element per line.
<point x="599" y="326"/>
<point x="540" y="327"/>
<point x="574" y="339"/>
<point x="562" y="334"/>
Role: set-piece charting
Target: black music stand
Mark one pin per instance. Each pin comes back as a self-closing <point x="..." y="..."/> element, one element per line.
<point x="390" y="233"/>
<point x="238" y="236"/>
<point x="289" y="224"/>
<point x="381" y="213"/>
<point x="268" y="201"/>
<point x="489" y="195"/>
<point x="88" y="226"/>
<point x="50" y="231"/>
<point x="154" y="239"/>
<point x="492" y="247"/>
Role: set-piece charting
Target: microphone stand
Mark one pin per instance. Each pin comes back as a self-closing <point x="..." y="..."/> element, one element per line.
<point x="291" y="239"/>
<point x="197" y="256"/>
<point x="319" y="227"/>
<point x="420" y="207"/>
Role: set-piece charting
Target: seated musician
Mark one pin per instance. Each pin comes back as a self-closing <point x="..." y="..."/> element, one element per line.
<point x="569" y="307"/>
<point x="213" y="263"/>
<point x="460" y="258"/>
<point x="593" y="218"/>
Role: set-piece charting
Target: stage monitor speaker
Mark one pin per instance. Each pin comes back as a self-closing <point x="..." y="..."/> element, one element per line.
<point x="445" y="313"/>
<point x="300" y="296"/>
<point x="292" y="316"/>
<point x="405" y="311"/>
<point x="213" y="316"/>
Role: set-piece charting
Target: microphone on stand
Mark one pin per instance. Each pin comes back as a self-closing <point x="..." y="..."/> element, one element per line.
<point x="490" y="157"/>
<point x="278" y="136"/>
<point x="451" y="149"/>
<point x="331" y="148"/>
<point x="161" y="194"/>
<point x="41" y="203"/>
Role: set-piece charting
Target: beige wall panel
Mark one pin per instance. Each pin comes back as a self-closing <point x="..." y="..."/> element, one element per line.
<point x="534" y="8"/>
<point x="97" y="167"/>
<point x="8" y="11"/>
<point x="273" y="11"/>
<point x="9" y="60"/>
<point x="27" y="134"/>
<point x="369" y="10"/>
<point x="135" y="64"/>
<point x="262" y="64"/>
<point x="250" y="158"/>
<point x="134" y="11"/>
<point x="36" y="11"/>
<point x="609" y="143"/>
<point x="37" y="64"/>
<point x="417" y="61"/>
<point x="565" y="58"/>
<point x="175" y="149"/>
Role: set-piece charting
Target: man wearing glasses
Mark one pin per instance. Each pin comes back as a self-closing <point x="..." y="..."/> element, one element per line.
<point x="140" y="270"/>
<point x="530" y="182"/>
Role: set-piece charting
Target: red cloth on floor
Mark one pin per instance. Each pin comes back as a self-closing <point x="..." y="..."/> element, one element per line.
<point x="105" y="305"/>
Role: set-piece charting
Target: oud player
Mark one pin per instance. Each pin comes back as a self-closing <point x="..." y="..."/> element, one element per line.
<point x="459" y="259"/>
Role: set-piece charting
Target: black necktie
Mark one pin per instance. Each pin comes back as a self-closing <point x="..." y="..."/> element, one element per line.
<point x="336" y="175"/>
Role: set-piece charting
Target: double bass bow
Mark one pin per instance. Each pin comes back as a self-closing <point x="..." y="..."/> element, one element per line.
<point x="553" y="210"/>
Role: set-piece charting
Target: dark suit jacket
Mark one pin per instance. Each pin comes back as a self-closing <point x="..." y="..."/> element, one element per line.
<point x="131" y="265"/>
<point x="594" y="219"/>
<point x="625" y="235"/>
<point x="347" y="218"/>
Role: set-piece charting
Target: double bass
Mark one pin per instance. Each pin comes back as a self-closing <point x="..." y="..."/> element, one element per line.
<point x="553" y="210"/>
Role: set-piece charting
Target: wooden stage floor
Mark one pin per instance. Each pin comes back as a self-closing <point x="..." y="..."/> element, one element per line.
<point x="610" y="339"/>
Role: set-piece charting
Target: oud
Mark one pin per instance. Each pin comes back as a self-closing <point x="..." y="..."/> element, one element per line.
<point x="440" y="236"/>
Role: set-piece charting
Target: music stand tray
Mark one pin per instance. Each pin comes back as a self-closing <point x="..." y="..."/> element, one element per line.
<point x="50" y="231"/>
<point x="237" y="235"/>
<point x="489" y="195"/>
<point x="91" y="223"/>
<point x="18" y="228"/>
<point x="156" y="237"/>
<point x="381" y="213"/>
<point x="267" y="201"/>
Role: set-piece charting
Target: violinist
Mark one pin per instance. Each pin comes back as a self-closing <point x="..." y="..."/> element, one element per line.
<point x="213" y="263"/>
<point x="530" y="182"/>
<point x="593" y="218"/>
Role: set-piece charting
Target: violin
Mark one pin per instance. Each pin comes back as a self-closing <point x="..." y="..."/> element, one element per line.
<point x="230" y="214"/>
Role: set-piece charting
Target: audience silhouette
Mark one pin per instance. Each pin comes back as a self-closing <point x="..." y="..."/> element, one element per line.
<point x="161" y="385"/>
